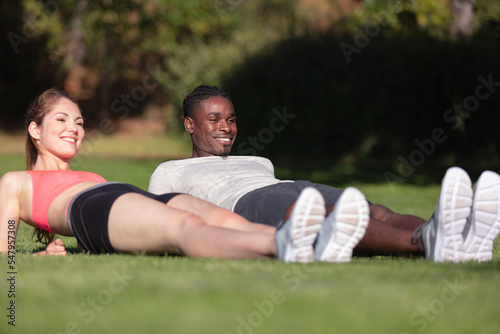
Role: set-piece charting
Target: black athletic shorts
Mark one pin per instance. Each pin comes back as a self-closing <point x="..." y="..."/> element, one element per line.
<point x="268" y="205"/>
<point x="88" y="214"/>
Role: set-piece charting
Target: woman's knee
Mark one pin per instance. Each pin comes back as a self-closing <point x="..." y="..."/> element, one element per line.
<point x="228" y="219"/>
<point x="190" y="220"/>
<point x="185" y="226"/>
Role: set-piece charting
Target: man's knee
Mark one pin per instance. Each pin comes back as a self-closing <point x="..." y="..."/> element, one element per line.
<point x="380" y="212"/>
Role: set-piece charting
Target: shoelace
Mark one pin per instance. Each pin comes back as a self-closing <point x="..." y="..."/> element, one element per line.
<point x="417" y="234"/>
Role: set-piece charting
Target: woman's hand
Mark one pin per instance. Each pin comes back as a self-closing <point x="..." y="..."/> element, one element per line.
<point x="56" y="247"/>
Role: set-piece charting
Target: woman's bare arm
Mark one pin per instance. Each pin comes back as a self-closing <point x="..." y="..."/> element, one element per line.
<point x="10" y="209"/>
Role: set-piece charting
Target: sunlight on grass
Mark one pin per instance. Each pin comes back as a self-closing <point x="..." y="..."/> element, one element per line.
<point x="116" y="145"/>
<point x="125" y="146"/>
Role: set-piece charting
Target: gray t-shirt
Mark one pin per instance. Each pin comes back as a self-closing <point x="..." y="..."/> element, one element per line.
<point x="220" y="180"/>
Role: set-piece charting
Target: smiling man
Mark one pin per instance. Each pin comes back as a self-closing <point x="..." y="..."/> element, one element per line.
<point x="212" y="131"/>
<point x="463" y="226"/>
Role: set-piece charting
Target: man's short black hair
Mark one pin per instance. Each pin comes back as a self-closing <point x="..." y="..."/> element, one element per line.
<point x="200" y="93"/>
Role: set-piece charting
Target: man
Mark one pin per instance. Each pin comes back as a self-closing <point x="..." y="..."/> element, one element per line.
<point x="463" y="226"/>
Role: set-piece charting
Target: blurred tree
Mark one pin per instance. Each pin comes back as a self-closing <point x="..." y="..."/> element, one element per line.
<point x="117" y="57"/>
<point x="463" y="17"/>
<point x="24" y="62"/>
<point x="112" y="55"/>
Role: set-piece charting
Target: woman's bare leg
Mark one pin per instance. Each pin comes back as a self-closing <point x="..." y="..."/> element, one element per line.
<point x="216" y="216"/>
<point x="137" y="223"/>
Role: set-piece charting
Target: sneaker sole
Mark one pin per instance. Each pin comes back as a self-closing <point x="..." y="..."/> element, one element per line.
<point x="307" y="215"/>
<point x="485" y="218"/>
<point x="351" y="217"/>
<point x="455" y="203"/>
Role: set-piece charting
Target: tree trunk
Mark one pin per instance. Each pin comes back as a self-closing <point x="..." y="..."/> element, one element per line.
<point x="75" y="53"/>
<point x="463" y="17"/>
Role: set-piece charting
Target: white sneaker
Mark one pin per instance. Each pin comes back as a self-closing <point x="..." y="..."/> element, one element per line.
<point x="442" y="234"/>
<point x="343" y="228"/>
<point x="295" y="238"/>
<point x="484" y="222"/>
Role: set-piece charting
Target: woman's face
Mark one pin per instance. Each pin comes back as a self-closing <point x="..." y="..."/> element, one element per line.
<point x="61" y="132"/>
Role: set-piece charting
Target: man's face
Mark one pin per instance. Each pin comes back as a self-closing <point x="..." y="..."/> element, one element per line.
<point x="212" y="127"/>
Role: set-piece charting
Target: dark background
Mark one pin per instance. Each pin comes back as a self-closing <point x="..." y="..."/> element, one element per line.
<point x="411" y="65"/>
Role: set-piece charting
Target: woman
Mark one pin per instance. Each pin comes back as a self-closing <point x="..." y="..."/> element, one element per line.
<point x="115" y="217"/>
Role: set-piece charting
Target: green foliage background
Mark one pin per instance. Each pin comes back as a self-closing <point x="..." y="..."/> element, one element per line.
<point x="370" y="105"/>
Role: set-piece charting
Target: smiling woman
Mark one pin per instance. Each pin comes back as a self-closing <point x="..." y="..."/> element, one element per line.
<point x="37" y="112"/>
<point x="108" y="217"/>
<point x="59" y="136"/>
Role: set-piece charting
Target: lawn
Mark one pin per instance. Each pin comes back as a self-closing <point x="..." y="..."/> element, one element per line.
<point x="143" y="294"/>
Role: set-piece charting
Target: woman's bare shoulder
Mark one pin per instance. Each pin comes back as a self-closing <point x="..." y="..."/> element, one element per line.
<point x="14" y="180"/>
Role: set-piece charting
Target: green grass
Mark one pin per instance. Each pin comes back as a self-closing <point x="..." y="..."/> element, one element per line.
<point x="142" y="294"/>
<point x="143" y="145"/>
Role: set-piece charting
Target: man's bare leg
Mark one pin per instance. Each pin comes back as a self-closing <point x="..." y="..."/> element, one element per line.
<point x="388" y="233"/>
<point x="387" y="240"/>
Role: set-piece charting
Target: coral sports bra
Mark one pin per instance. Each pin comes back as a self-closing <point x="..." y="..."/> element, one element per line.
<point x="48" y="184"/>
